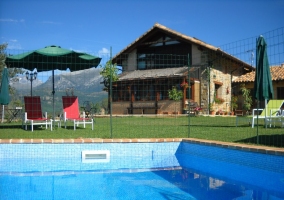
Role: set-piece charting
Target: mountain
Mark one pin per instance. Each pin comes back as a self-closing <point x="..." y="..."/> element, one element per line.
<point x="21" y="83"/>
<point x="86" y="84"/>
<point x="87" y="80"/>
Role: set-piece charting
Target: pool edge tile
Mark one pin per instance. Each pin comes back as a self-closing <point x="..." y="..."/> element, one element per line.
<point x="16" y="141"/>
<point x="48" y="141"/>
<point x="234" y="146"/>
<point x="66" y="141"/>
<point x="78" y="140"/>
<point x="97" y="140"/>
<point x="37" y="141"/>
<point x="237" y="146"/>
<point x="107" y="140"/>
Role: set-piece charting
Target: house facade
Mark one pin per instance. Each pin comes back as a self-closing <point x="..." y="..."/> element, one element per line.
<point x="162" y="59"/>
<point x="277" y="77"/>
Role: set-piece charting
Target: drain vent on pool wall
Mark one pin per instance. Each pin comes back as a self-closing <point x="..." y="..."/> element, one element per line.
<point x="93" y="156"/>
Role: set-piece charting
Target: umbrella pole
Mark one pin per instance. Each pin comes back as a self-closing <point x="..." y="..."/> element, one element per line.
<point x="257" y="138"/>
<point x="265" y="112"/>
<point x="53" y="92"/>
<point x="2" y="113"/>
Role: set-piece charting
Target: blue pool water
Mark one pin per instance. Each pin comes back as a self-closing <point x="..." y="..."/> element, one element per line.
<point x="138" y="171"/>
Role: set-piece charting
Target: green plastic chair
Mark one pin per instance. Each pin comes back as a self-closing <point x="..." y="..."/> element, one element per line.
<point x="269" y="113"/>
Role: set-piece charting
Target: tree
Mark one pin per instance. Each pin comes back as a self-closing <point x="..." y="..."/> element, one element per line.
<point x="2" y="58"/>
<point x="234" y="103"/>
<point x="104" y="105"/>
<point x="175" y="95"/>
<point x="110" y="71"/>
<point x="97" y="108"/>
<point x="247" y="97"/>
<point x="110" y="74"/>
<point x="12" y="71"/>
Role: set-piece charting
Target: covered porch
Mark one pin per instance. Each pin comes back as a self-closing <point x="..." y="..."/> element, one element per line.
<point x="135" y="93"/>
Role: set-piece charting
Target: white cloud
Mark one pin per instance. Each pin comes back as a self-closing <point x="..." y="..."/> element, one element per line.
<point x="13" y="44"/>
<point x="8" y="20"/>
<point x="103" y="52"/>
<point x="50" y="22"/>
<point x="12" y="20"/>
<point x="78" y="50"/>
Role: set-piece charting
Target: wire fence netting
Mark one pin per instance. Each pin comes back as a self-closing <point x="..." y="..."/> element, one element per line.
<point x="167" y="93"/>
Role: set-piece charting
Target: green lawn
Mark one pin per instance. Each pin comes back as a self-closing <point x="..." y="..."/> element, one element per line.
<point x="202" y="127"/>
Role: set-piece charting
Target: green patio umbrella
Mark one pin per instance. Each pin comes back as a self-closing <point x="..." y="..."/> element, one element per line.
<point x="4" y="90"/>
<point x="263" y="88"/>
<point x="52" y="58"/>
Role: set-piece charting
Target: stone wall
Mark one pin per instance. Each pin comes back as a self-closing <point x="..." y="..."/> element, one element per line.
<point x="218" y="76"/>
<point x="169" y="106"/>
<point x="221" y="73"/>
<point x="147" y="107"/>
<point x="120" y="108"/>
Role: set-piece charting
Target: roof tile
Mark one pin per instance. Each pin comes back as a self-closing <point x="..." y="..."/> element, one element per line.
<point x="155" y="73"/>
<point x="277" y="74"/>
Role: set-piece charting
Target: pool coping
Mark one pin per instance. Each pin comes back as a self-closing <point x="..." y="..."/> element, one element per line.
<point x="229" y="145"/>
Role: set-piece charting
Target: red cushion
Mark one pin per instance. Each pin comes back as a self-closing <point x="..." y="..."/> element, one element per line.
<point x="33" y="107"/>
<point x="71" y="107"/>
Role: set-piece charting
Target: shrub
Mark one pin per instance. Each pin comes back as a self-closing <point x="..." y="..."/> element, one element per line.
<point x="219" y="100"/>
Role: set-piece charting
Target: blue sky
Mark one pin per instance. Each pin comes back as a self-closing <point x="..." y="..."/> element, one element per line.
<point x="94" y="26"/>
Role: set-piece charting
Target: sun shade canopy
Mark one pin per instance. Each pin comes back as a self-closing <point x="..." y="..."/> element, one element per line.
<point x="51" y="58"/>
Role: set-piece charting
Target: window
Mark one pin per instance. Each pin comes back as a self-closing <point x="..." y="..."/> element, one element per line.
<point x="141" y="61"/>
<point x="280" y="92"/>
<point x="141" y="65"/>
<point x="165" y="41"/>
<point x="157" y="61"/>
<point x="162" y="51"/>
<point x="218" y="89"/>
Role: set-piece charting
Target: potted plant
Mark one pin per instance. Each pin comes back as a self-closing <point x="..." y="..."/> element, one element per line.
<point x="197" y="110"/>
<point x="184" y="85"/>
<point x="220" y="112"/>
<point x="175" y="95"/>
<point x="234" y="104"/>
<point x="218" y="100"/>
<point x="212" y="111"/>
<point x="247" y="98"/>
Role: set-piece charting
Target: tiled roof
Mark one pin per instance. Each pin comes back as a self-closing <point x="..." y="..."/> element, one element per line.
<point x="164" y="28"/>
<point x="277" y="74"/>
<point x="154" y="73"/>
<point x="182" y="36"/>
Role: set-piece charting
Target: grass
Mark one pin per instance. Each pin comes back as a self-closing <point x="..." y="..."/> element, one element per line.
<point x="202" y="127"/>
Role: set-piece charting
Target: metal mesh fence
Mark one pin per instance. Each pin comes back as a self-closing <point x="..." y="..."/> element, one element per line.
<point x="140" y="105"/>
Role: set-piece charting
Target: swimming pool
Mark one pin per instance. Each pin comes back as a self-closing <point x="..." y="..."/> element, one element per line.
<point x="165" y="170"/>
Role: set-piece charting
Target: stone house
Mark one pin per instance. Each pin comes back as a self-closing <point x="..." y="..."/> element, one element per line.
<point x="162" y="58"/>
<point x="277" y="76"/>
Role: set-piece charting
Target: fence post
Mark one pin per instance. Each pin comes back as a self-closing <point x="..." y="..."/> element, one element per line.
<point x="110" y="96"/>
<point x="188" y="76"/>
